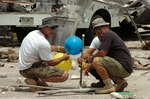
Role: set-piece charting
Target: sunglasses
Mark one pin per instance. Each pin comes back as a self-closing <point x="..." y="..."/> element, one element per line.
<point x="97" y="29"/>
<point x="54" y="27"/>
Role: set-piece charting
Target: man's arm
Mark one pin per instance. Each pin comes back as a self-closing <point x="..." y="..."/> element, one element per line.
<point x="54" y="62"/>
<point x="88" y="53"/>
<point x="100" y="53"/>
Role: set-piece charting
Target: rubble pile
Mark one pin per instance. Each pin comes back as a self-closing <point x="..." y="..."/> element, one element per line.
<point x="141" y="61"/>
<point x="146" y="46"/>
<point x="10" y="55"/>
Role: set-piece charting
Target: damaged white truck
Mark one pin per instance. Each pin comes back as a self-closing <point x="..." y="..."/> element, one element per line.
<point x="74" y="16"/>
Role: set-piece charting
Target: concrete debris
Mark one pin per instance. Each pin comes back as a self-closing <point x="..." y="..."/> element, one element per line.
<point x="6" y="88"/>
<point x="133" y="45"/>
<point x="140" y="66"/>
<point x="27" y="6"/>
<point x="3" y="88"/>
<point x="146" y="46"/>
<point x="16" y="89"/>
<point x="3" y="93"/>
<point x="84" y="84"/>
<point x="10" y="54"/>
<point x="138" y="45"/>
<point x="2" y="64"/>
<point x="74" y="77"/>
<point x="18" y="81"/>
<point x="3" y="75"/>
<point x="142" y="55"/>
<point x="16" y="6"/>
<point x="12" y="67"/>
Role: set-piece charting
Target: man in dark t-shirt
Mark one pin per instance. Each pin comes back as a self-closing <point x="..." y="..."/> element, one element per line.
<point x="117" y="49"/>
<point x="112" y="61"/>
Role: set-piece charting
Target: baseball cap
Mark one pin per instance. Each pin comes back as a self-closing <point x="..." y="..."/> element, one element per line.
<point x="49" y="22"/>
<point x="99" y="22"/>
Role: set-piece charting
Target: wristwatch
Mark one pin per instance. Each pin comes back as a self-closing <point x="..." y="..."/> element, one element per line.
<point x="91" y="57"/>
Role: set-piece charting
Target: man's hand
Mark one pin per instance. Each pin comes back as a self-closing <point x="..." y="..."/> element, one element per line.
<point x="88" y="67"/>
<point x="66" y="56"/>
<point x="86" y="56"/>
<point x="80" y="60"/>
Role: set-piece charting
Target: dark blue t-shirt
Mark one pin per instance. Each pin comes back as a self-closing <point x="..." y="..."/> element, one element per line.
<point x="117" y="49"/>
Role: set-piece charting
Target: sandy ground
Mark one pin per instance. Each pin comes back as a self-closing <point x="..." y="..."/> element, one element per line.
<point x="139" y="82"/>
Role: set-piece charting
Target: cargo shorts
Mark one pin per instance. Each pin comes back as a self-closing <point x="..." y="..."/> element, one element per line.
<point x="114" y="68"/>
<point x="40" y="70"/>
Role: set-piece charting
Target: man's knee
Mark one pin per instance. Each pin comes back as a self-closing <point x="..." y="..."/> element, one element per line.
<point x="65" y="76"/>
<point x="96" y="62"/>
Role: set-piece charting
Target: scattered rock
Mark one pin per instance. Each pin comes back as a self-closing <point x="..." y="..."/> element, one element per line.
<point x="12" y="67"/>
<point x="3" y="88"/>
<point x="146" y="46"/>
<point x="18" y="81"/>
<point x="2" y="64"/>
<point x="3" y="75"/>
<point x="16" y="89"/>
<point x="75" y="77"/>
<point x="142" y="55"/>
<point x="10" y="54"/>
<point x="84" y="84"/>
<point x="138" y="65"/>
<point x="3" y="93"/>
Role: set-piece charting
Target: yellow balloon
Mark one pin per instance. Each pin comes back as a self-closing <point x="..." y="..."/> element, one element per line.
<point x="65" y="65"/>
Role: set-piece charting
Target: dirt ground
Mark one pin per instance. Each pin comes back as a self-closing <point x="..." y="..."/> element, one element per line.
<point x="139" y="81"/>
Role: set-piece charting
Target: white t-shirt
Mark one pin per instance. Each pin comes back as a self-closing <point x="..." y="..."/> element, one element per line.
<point x="95" y="43"/>
<point x="34" y="48"/>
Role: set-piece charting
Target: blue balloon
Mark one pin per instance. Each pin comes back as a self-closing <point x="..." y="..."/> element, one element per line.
<point x="73" y="45"/>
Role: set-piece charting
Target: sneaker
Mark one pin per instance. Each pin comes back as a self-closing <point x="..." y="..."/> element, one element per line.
<point x="97" y="85"/>
<point x="120" y="86"/>
<point x="32" y="82"/>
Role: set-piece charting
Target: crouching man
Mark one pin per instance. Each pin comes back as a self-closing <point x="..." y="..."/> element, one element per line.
<point x="111" y="63"/>
<point x="35" y="56"/>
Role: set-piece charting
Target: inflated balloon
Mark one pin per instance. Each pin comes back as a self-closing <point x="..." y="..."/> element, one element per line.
<point x="73" y="45"/>
<point x="65" y="65"/>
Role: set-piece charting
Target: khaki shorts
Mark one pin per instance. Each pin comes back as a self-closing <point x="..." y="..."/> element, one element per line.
<point x="41" y="71"/>
<point x="114" y="67"/>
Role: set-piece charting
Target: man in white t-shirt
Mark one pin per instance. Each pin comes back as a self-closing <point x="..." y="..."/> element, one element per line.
<point x="35" y="58"/>
<point x="95" y="44"/>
